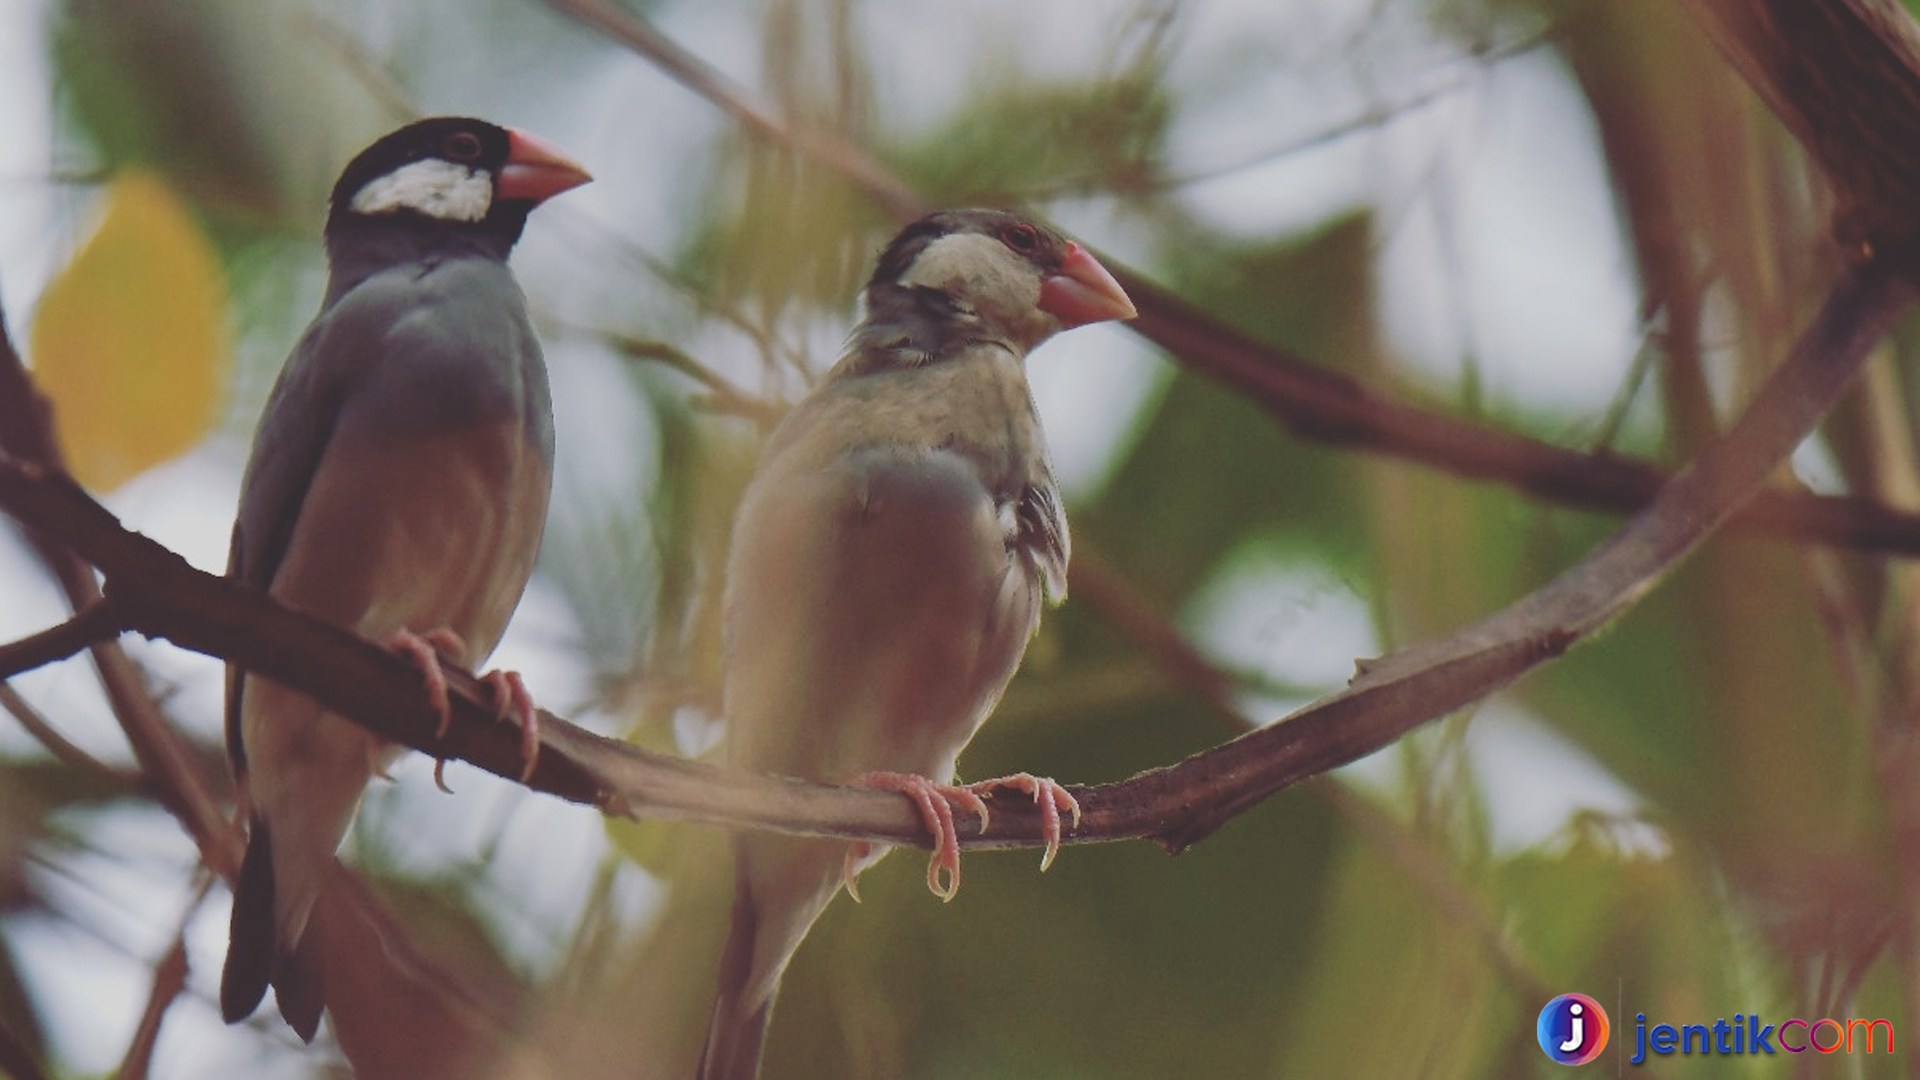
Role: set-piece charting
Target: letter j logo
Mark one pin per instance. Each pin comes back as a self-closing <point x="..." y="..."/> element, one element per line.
<point x="1573" y="1029"/>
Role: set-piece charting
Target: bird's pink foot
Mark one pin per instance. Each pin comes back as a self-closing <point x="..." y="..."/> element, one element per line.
<point x="425" y="651"/>
<point x="511" y="701"/>
<point x="935" y="803"/>
<point x="1052" y="799"/>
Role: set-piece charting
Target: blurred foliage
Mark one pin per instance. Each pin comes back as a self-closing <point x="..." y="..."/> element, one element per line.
<point x="130" y="341"/>
<point x="1018" y="136"/>
<point x="1372" y="924"/>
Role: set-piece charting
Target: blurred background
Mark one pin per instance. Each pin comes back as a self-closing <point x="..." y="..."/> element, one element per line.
<point x="1565" y="218"/>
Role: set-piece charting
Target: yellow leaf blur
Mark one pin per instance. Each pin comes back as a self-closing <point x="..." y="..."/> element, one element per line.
<point x="130" y="341"/>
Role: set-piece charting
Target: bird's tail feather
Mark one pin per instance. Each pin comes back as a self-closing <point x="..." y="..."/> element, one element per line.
<point x="298" y="988"/>
<point x="250" y="947"/>
<point x="254" y="957"/>
<point x="736" y="1032"/>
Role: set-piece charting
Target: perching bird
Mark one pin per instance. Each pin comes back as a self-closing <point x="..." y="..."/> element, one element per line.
<point x="398" y="487"/>
<point x="888" y="565"/>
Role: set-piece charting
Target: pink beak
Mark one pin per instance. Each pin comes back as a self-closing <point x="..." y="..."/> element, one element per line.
<point x="536" y="170"/>
<point x="1082" y="291"/>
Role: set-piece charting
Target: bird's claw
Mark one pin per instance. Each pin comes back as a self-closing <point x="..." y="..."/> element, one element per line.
<point x="850" y="870"/>
<point x="935" y="803"/>
<point x="1052" y="799"/>
<point x="512" y="702"/>
<point x="424" y="651"/>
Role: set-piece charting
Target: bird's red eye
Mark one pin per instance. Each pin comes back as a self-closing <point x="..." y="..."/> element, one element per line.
<point x="1023" y="238"/>
<point x="463" y="146"/>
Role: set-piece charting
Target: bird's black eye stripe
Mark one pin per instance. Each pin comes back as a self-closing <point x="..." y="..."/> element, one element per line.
<point x="462" y="146"/>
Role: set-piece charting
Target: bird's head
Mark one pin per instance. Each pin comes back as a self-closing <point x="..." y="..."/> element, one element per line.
<point x="992" y="274"/>
<point x="456" y="172"/>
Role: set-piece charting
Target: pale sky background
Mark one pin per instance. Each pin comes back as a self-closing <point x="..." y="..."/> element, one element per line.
<point x="1499" y="236"/>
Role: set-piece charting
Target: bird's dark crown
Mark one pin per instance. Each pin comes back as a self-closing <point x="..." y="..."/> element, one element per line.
<point x="1021" y="234"/>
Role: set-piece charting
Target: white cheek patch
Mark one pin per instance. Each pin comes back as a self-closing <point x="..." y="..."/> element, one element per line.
<point x="438" y="189"/>
<point x="977" y="268"/>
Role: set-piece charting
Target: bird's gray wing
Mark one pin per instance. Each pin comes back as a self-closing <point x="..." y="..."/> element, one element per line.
<point x="409" y="349"/>
<point x="288" y="445"/>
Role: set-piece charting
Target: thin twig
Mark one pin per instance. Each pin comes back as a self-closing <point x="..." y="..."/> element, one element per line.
<point x="1366" y="119"/>
<point x="1313" y="401"/>
<point x="723" y="395"/>
<point x="62" y="748"/>
<point x="703" y="79"/>
<point x="169" y="980"/>
<point x="94" y="624"/>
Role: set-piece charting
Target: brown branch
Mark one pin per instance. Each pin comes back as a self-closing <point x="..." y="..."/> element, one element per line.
<point x="59" y="745"/>
<point x="1397" y="693"/>
<point x="723" y="395"/>
<point x="1313" y="402"/>
<point x="1098" y="584"/>
<point x="94" y="624"/>
<point x="27" y="434"/>
<point x="17" y="1060"/>
<point x="703" y="79"/>
<point x="155" y="592"/>
<point x="1334" y="408"/>
<point x="1844" y="77"/>
<point x="159" y="594"/>
<point x="169" y="980"/>
<point x="396" y="1011"/>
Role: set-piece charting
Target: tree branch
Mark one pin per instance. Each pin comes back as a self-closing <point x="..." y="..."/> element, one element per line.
<point x="1313" y="402"/>
<point x="59" y="745"/>
<point x="157" y="593"/>
<point x="722" y="394"/>
<point x="93" y="625"/>
<point x="1844" y="77"/>
<point x="1398" y="692"/>
<point x="16" y="1060"/>
<point x="27" y="434"/>
<point x="396" y="1011"/>
<point x="708" y="82"/>
<point x="169" y="980"/>
<point x="1334" y="408"/>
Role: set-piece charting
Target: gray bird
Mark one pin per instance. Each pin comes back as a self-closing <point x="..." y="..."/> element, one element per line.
<point x="398" y="487"/>
<point x="889" y="561"/>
